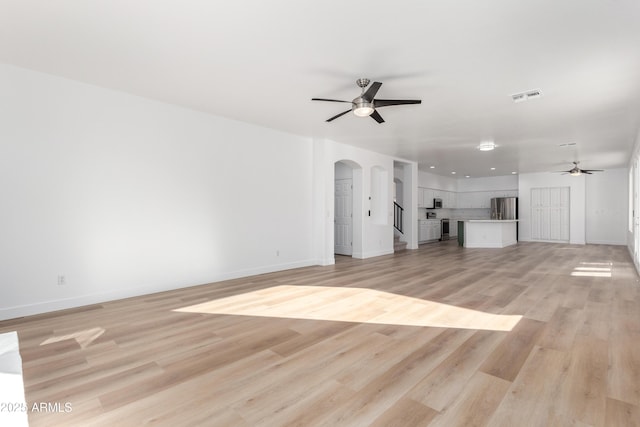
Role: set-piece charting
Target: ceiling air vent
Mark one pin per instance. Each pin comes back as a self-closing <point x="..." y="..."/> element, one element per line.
<point x="519" y="97"/>
<point x="525" y="96"/>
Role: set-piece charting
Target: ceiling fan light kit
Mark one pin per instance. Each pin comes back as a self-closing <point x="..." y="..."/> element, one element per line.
<point x="362" y="108"/>
<point x="366" y="104"/>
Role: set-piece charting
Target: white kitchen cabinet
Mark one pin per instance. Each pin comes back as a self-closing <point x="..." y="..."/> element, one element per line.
<point x="479" y="199"/>
<point x="464" y="200"/>
<point x="471" y="200"/>
<point x="504" y="193"/>
<point x="428" y="196"/>
<point x="452" y="200"/>
<point x="436" y="230"/>
<point x="423" y="231"/>
<point x="429" y="230"/>
<point x="444" y="195"/>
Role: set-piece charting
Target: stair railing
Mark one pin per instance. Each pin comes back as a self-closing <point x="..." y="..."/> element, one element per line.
<point x="398" y="212"/>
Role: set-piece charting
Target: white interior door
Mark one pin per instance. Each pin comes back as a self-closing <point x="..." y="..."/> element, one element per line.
<point x="550" y="214"/>
<point x="343" y="217"/>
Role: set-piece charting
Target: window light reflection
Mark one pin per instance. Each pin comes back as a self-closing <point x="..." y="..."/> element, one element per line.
<point x="593" y="269"/>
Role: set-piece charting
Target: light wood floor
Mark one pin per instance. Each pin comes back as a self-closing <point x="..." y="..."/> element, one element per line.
<point x="532" y="335"/>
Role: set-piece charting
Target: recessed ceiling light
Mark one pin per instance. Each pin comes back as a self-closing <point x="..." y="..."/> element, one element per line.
<point x="467" y="176"/>
<point x="487" y="146"/>
<point x="513" y="173"/>
<point x="432" y="167"/>
<point x="493" y="169"/>
<point x="453" y="173"/>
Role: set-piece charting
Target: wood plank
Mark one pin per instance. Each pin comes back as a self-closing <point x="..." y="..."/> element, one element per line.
<point x="444" y="383"/>
<point x="622" y="414"/>
<point x="385" y="390"/>
<point x="561" y="329"/>
<point x="531" y="399"/>
<point x="476" y="404"/>
<point x="404" y="413"/>
<point x="507" y="359"/>
<point x="582" y="396"/>
<point x="623" y="382"/>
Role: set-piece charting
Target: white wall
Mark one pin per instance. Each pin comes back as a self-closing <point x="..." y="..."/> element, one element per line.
<point x="126" y="196"/>
<point x="607" y="207"/>
<point x="429" y="180"/>
<point x="373" y="236"/>
<point x="577" y="205"/>
<point x="491" y="183"/>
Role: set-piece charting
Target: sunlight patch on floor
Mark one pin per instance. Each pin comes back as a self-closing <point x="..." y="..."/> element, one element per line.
<point x="84" y="337"/>
<point x="353" y="305"/>
<point x="593" y="269"/>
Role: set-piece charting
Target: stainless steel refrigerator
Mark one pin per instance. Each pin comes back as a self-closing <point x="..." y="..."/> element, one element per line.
<point x="504" y="208"/>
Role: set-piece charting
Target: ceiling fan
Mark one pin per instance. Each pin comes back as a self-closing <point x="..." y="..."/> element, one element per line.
<point x="366" y="104"/>
<point x="575" y="171"/>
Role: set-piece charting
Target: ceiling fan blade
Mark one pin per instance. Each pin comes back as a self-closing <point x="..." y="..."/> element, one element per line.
<point x="330" y="100"/>
<point x="338" y="115"/>
<point x="371" y="92"/>
<point x="584" y="171"/>
<point x="387" y="102"/>
<point x="377" y="117"/>
<point x="592" y="170"/>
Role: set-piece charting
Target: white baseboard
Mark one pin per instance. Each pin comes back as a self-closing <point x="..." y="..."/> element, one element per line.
<point x="606" y="242"/>
<point x="489" y="245"/>
<point x="100" y="297"/>
<point x="570" y="242"/>
<point x="377" y="253"/>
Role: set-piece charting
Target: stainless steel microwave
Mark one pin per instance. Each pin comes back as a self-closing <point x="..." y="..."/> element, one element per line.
<point x="437" y="203"/>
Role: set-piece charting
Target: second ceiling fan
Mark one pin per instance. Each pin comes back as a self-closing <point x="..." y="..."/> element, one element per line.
<point x="366" y="104"/>
<point x="575" y="171"/>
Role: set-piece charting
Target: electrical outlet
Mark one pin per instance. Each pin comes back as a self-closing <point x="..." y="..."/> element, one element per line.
<point x="278" y="252"/>
<point x="62" y="280"/>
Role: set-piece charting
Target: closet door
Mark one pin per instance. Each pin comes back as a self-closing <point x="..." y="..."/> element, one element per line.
<point x="550" y="214"/>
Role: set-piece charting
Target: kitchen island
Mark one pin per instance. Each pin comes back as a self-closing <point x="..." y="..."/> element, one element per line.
<point x="490" y="233"/>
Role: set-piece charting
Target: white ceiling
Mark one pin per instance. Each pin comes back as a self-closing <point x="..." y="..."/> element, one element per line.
<point x="262" y="61"/>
